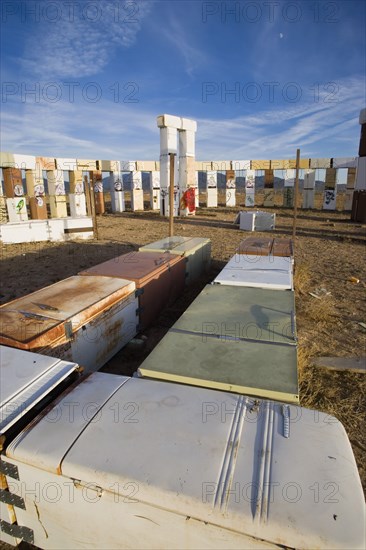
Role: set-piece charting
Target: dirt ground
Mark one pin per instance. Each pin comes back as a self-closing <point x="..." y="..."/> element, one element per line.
<point x="329" y="249"/>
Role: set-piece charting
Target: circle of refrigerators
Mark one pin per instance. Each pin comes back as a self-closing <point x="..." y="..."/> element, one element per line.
<point x="204" y="447"/>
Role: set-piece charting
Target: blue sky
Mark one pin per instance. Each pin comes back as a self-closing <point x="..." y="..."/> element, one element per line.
<point x="87" y="79"/>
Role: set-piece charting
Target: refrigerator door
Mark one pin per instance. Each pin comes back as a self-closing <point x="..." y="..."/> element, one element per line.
<point x="261" y="272"/>
<point x="25" y="379"/>
<point x="188" y="468"/>
<point x="247" y="367"/>
<point x="242" y="313"/>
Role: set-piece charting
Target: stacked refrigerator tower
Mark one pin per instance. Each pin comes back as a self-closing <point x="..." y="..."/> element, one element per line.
<point x="224" y="459"/>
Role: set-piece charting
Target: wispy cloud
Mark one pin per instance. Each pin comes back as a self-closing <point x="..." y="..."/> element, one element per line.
<point x="80" y="46"/>
<point x="128" y="131"/>
<point x="319" y="128"/>
<point x="101" y="130"/>
<point x="192" y="55"/>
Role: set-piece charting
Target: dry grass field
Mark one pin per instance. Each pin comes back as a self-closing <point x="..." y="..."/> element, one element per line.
<point x="329" y="249"/>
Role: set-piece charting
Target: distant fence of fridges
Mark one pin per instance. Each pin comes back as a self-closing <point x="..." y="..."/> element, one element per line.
<point x="44" y="187"/>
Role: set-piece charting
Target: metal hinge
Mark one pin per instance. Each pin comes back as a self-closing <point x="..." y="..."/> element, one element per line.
<point x="138" y="292"/>
<point x="9" y="469"/>
<point x="17" y="531"/>
<point x="10" y="498"/>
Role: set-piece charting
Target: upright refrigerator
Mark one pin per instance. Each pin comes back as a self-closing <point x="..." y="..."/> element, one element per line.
<point x="159" y="279"/>
<point x="82" y="319"/>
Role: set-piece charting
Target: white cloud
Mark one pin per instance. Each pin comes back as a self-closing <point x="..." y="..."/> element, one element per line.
<point x="318" y="128"/>
<point x="192" y="56"/>
<point x="128" y="131"/>
<point x="80" y="47"/>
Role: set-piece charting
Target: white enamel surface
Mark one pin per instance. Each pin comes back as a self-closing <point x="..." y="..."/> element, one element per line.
<point x="118" y="201"/>
<point x="25" y="378"/>
<point x="170" y="451"/>
<point x="330" y="197"/>
<point x="67" y="164"/>
<point x="257" y="221"/>
<point x="260" y="272"/>
<point x="77" y="205"/>
<point x="137" y="199"/>
<point x="230" y="197"/>
<point x="345" y="162"/>
<point x="17" y="212"/>
<point x="128" y="165"/>
<point x="240" y="164"/>
<point x="211" y="197"/>
<point x="25" y="232"/>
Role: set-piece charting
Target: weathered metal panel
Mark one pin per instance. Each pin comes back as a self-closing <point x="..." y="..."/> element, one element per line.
<point x="25" y="378"/>
<point x="240" y="314"/>
<point x="161" y="275"/>
<point x="139" y="267"/>
<point x="45" y="447"/>
<point x="37" y="321"/>
<point x="257" y="221"/>
<point x="255" y="246"/>
<point x="247" y="367"/>
<point x="164" y="245"/>
<point x="283" y="247"/>
<point x="102" y="337"/>
<point x="265" y="272"/>
<point x="197" y="251"/>
<point x="13" y="185"/>
<point x="219" y="471"/>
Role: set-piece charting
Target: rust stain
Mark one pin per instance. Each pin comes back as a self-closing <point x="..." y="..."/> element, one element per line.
<point x="282" y="247"/>
<point x="255" y="246"/>
<point x="79" y="299"/>
<point x="134" y="266"/>
<point x="111" y="335"/>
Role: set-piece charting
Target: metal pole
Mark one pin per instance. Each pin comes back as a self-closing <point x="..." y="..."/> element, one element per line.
<point x="90" y="200"/>
<point x="171" y="195"/>
<point x="296" y="194"/>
